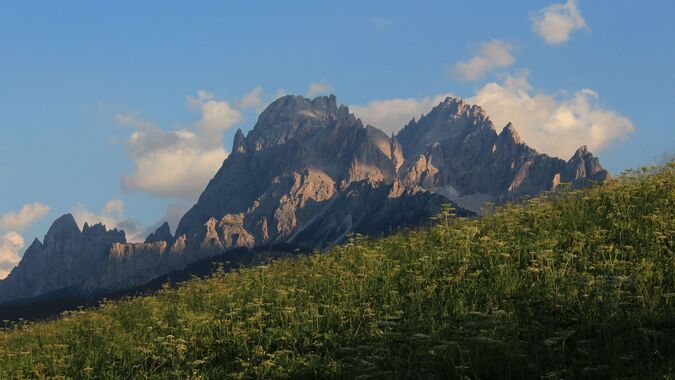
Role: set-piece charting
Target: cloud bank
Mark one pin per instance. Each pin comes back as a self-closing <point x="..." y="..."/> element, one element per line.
<point x="179" y="163"/>
<point x="556" y="124"/>
<point x="556" y="22"/>
<point x="491" y="55"/>
<point x="11" y="241"/>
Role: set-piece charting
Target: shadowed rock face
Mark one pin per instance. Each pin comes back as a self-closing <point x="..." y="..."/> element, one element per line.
<point x="308" y="174"/>
<point x="64" y="261"/>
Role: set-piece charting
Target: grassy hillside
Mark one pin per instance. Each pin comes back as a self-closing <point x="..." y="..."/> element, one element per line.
<point x="576" y="285"/>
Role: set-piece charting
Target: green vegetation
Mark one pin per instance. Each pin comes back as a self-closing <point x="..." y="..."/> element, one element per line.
<point x="579" y="284"/>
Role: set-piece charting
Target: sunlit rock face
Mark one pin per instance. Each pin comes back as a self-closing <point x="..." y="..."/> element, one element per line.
<point x="309" y="174"/>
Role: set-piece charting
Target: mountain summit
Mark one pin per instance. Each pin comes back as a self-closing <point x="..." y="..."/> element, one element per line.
<point x="308" y="174"/>
<point x="456" y="151"/>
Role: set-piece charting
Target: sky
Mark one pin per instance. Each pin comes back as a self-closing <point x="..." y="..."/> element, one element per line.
<point x="120" y="112"/>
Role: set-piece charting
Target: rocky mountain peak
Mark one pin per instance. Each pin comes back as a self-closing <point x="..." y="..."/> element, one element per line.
<point x="163" y="233"/>
<point x="451" y="122"/>
<point x="239" y="143"/>
<point x="63" y="228"/>
<point x="292" y="116"/>
<point x="457" y="108"/>
<point x="585" y="166"/>
<point x="582" y="151"/>
<point x="511" y="134"/>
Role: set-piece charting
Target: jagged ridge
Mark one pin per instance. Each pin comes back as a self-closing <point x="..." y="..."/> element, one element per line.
<point x="308" y="174"/>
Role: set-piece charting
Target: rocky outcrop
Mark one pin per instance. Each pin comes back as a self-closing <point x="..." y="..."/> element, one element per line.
<point x="309" y="174"/>
<point x="163" y="233"/>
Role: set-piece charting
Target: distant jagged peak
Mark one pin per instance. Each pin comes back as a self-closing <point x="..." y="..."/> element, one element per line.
<point x="453" y="120"/>
<point x="36" y="242"/>
<point x="582" y="154"/>
<point x="162" y="233"/>
<point x="510" y="133"/>
<point x="293" y="116"/>
<point x="93" y="229"/>
<point x="239" y="142"/>
<point x="585" y="164"/>
<point x="454" y="113"/>
<point x="63" y="226"/>
<point x="458" y="107"/>
<point x="296" y="106"/>
<point x="582" y="151"/>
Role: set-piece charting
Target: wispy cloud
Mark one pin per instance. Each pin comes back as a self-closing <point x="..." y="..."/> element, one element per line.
<point x="318" y="88"/>
<point x="491" y="55"/>
<point x="279" y="93"/>
<point x="380" y="22"/>
<point x="19" y="221"/>
<point x="252" y="99"/>
<point x="556" y="22"/>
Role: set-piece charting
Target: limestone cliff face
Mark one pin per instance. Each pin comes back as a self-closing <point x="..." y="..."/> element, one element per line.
<point x="308" y="174"/>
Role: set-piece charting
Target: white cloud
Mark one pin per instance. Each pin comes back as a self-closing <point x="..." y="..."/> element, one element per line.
<point x="133" y="119"/>
<point x="380" y="22"/>
<point x="556" y="124"/>
<point x="252" y="99"/>
<point x="217" y="115"/>
<point x="491" y="55"/>
<point x="11" y="242"/>
<point x="11" y="245"/>
<point x="178" y="163"/>
<point x="556" y="22"/>
<point x="391" y="115"/>
<point x="19" y="221"/>
<point x="318" y="88"/>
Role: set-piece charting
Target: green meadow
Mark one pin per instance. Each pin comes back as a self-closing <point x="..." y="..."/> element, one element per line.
<point x="577" y="284"/>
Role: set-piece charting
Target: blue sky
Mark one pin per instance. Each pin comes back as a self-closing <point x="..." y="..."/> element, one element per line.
<point x="78" y="80"/>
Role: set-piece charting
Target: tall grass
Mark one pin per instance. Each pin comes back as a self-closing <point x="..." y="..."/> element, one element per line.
<point x="579" y="284"/>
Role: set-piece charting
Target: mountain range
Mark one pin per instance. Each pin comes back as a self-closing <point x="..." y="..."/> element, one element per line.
<point x="307" y="175"/>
